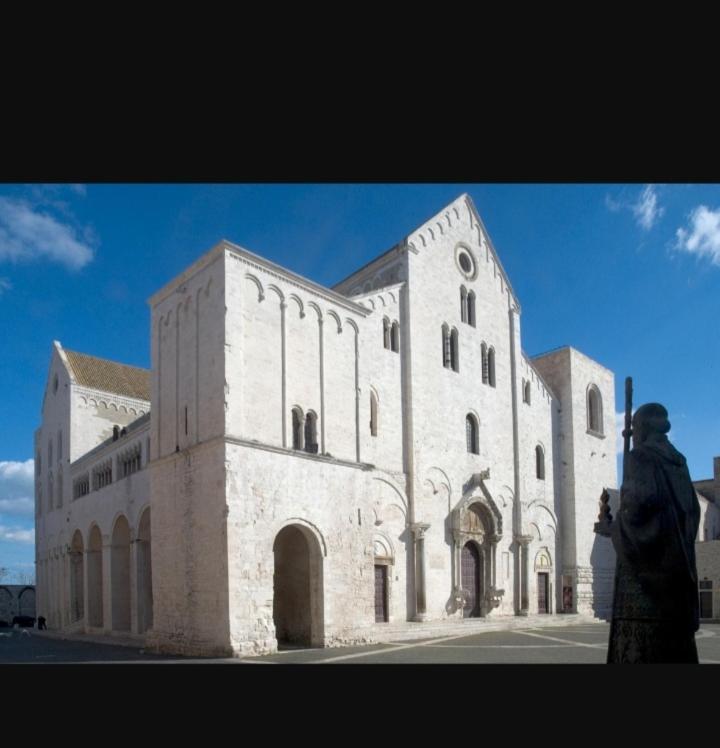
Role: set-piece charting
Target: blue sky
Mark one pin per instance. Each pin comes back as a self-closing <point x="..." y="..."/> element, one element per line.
<point x="628" y="274"/>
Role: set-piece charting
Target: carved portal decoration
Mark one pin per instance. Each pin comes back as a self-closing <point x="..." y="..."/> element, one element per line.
<point x="477" y="518"/>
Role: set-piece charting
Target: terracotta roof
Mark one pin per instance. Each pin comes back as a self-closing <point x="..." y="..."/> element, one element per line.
<point x="109" y="376"/>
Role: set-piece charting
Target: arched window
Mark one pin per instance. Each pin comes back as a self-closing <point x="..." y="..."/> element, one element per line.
<point x="311" y="444"/>
<point x="59" y="496"/>
<point x="526" y="392"/>
<point x="484" y="353"/>
<point x="395" y="337"/>
<point x="446" y="353"/>
<point x="455" y="350"/>
<point x="373" y="414"/>
<point x="594" y="410"/>
<point x="50" y="491"/>
<point x="491" y="367"/>
<point x="539" y="463"/>
<point x="386" y="333"/>
<point x="463" y="304"/>
<point x="297" y="428"/>
<point x="471" y="434"/>
<point x="471" y="309"/>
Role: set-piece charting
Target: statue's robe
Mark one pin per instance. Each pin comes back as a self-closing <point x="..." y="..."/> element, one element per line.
<point x="655" y="604"/>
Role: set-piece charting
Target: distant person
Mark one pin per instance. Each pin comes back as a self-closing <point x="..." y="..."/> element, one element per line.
<point x="655" y="606"/>
<point x="41" y="623"/>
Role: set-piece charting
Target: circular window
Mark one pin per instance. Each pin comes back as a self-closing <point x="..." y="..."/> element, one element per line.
<point x="465" y="262"/>
<point x="55" y="383"/>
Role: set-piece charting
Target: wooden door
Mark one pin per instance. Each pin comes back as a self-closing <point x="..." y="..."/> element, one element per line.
<point x="381" y="607"/>
<point x="470" y="569"/>
<point x="543" y="584"/>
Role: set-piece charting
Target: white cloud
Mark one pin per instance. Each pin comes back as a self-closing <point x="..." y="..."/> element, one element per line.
<point x="16" y="478"/>
<point x="78" y="189"/>
<point x="17" y="534"/>
<point x="647" y="210"/>
<point x="28" y="234"/>
<point x="5" y="285"/>
<point x="702" y="237"/>
<point x="646" y="207"/>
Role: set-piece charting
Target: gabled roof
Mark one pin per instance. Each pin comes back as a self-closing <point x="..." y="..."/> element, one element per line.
<point x="109" y="376"/>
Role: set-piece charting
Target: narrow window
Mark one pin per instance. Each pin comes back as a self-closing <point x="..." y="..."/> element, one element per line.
<point x="50" y="453"/>
<point x="471" y="309"/>
<point x="526" y="392"/>
<point x="386" y="333"/>
<point x="594" y="408"/>
<point x="484" y="351"/>
<point x="373" y="414"/>
<point x="186" y="420"/>
<point x="297" y="428"/>
<point x="471" y="434"/>
<point x="463" y="304"/>
<point x="491" y="367"/>
<point x="455" y="350"/>
<point x="59" y="497"/>
<point x="447" y="357"/>
<point x="59" y="445"/>
<point x="539" y="463"/>
<point x="395" y="337"/>
<point x="311" y="433"/>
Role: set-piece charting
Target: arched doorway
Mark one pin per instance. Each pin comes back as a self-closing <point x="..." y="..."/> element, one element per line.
<point x="144" y="575"/>
<point x="26" y="602"/>
<point x="120" y="575"/>
<point x="298" y="588"/>
<point x="95" y="578"/>
<point x="477" y="529"/>
<point x="471" y="574"/>
<point x="77" y="574"/>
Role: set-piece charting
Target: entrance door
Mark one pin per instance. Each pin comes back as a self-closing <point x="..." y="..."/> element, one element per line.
<point x="470" y="568"/>
<point x="381" y="612"/>
<point x="706" y="599"/>
<point x="543" y="583"/>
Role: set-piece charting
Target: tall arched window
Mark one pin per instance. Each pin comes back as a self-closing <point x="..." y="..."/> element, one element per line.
<point x="539" y="463"/>
<point x="463" y="304"/>
<point x="446" y="353"/>
<point x="373" y="414"/>
<point x="594" y="410"/>
<point x="59" y="495"/>
<point x="311" y="444"/>
<point x="455" y="350"/>
<point x="471" y="309"/>
<point x="491" y="367"/>
<point x="297" y="428"/>
<point x="526" y="392"/>
<point x="386" y="333"/>
<point x="484" y="353"/>
<point x="471" y="434"/>
<point x="50" y="491"/>
<point x="395" y="337"/>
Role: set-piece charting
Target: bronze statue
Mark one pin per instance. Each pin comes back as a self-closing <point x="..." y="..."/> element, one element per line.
<point x="655" y="604"/>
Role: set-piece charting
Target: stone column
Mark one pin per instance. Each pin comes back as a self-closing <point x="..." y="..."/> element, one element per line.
<point x="283" y="358"/>
<point x="524" y="542"/>
<point x="134" y="547"/>
<point x="107" y="583"/>
<point x="419" y="529"/>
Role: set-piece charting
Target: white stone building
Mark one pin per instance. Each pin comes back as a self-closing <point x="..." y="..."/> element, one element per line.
<point x="318" y="462"/>
<point x="707" y="547"/>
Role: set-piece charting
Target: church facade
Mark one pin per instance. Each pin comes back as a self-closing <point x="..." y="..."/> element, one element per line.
<point x="305" y="464"/>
